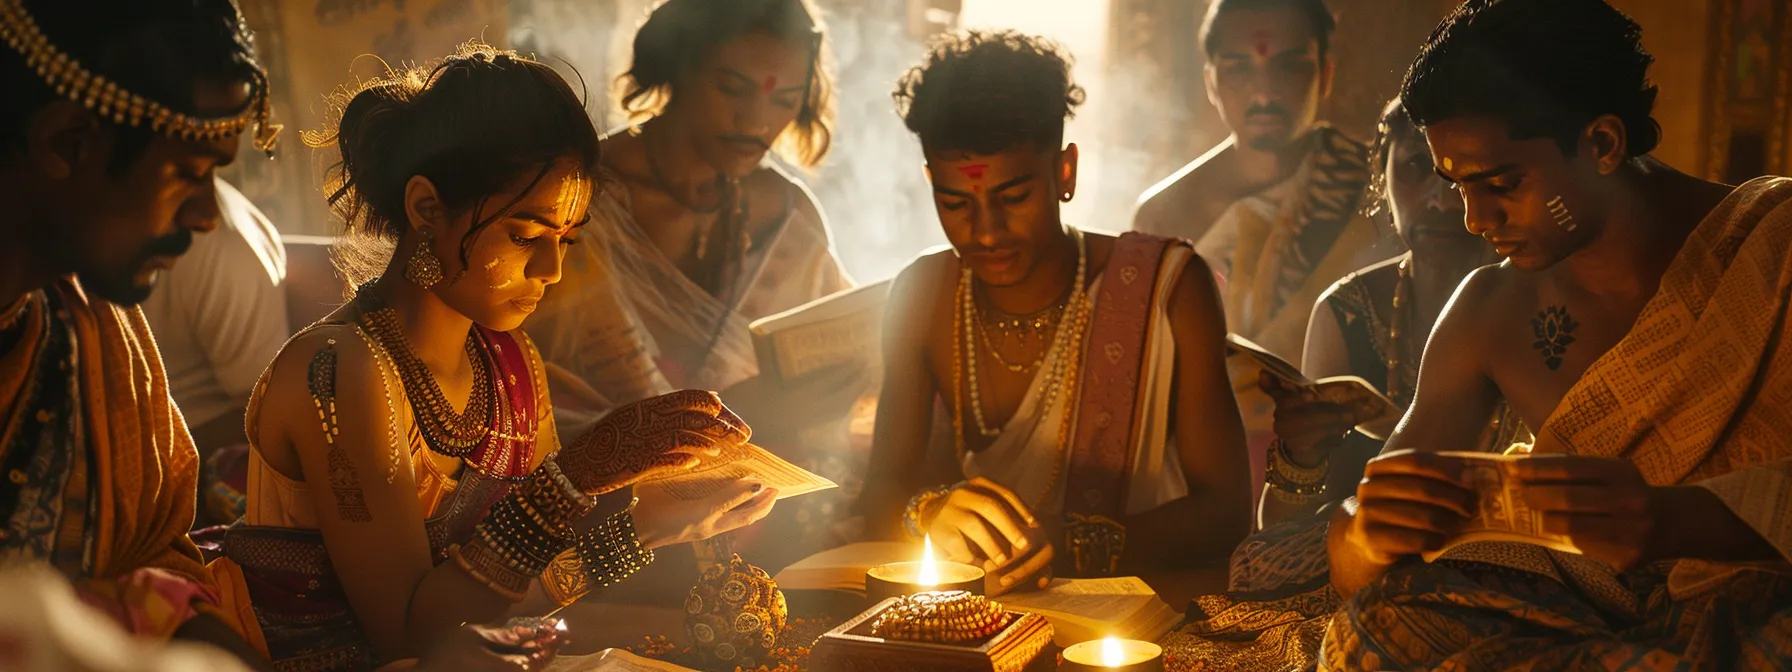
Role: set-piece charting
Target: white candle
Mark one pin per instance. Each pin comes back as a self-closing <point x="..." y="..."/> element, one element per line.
<point x="1114" y="653"/>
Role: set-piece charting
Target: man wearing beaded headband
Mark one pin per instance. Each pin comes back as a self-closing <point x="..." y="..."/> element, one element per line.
<point x="1639" y="324"/>
<point x="116" y="115"/>
<point x="1084" y="373"/>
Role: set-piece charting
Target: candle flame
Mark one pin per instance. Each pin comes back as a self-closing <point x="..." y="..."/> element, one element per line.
<point x="1111" y="653"/>
<point x="930" y="573"/>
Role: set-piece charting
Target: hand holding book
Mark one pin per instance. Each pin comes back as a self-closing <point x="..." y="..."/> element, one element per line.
<point x="1413" y="503"/>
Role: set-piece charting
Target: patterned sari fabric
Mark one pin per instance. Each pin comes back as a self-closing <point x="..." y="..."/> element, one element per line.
<point x="1696" y="394"/>
<point x="1276" y="608"/>
<point x="100" y="474"/>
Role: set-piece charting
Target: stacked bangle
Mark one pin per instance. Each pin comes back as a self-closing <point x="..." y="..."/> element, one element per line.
<point x="489" y="568"/>
<point x="613" y="552"/>
<point x="524" y="531"/>
<point x="1293" y="483"/>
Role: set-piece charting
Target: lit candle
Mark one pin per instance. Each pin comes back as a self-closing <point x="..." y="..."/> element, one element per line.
<point x="906" y="578"/>
<point x="1114" y="653"/>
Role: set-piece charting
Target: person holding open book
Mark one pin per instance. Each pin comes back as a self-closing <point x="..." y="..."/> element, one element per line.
<point x="405" y="472"/>
<point x="1638" y="323"/>
<point x="1084" y="374"/>
<point x="1373" y="324"/>
<point x="697" y="231"/>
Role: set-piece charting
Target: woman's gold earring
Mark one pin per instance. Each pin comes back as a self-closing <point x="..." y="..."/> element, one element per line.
<point x="423" y="267"/>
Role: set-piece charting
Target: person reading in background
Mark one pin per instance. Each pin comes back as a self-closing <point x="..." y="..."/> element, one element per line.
<point x="406" y="473"/>
<point x="116" y="115"/>
<point x="1276" y="208"/>
<point x="1636" y="324"/>
<point x="1373" y="325"/>
<point x="697" y="231"/>
<point x="1083" y="373"/>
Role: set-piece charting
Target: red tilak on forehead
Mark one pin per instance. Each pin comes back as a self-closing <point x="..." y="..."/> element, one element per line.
<point x="1262" y="38"/>
<point x="769" y="84"/>
<point x="973" y="170"/>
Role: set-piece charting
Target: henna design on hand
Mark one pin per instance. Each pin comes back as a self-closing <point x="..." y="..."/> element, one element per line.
<point x="651" y="435"/>
<point x="565" y="580"/>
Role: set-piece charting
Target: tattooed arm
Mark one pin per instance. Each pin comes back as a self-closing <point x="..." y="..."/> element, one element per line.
<point x="361" y="491"/>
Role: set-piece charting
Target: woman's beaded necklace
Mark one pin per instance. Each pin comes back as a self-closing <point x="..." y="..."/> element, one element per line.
<point x="444" y="430"/>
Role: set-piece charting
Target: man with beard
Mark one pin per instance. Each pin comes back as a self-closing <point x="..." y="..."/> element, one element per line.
<point x="1275" y="208"/>
<point x="117" y="114"/>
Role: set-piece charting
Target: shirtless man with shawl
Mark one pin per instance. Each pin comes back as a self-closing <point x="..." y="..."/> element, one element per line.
<point x="1638" y="323"/>
<point x="1275" y="209"/>
<point x="106" y="187"/>
<point x="1083" y="372"/>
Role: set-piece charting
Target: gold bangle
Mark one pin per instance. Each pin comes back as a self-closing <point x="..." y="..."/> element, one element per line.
<point x="487" y="567"/>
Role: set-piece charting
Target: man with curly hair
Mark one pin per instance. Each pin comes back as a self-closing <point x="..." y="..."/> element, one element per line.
<point x="1638" y="323"/>
<point x="1084" y="375"/>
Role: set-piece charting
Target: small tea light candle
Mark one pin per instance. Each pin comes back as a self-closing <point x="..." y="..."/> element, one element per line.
<point x="896" y="579"/>
<point x="1113" y="653"/>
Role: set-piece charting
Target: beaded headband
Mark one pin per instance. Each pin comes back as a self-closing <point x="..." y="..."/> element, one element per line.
<point x="104" y="97"/>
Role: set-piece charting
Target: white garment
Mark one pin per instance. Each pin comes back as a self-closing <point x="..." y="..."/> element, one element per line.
<point x="219" y="314"/>
<point x="1031" y="448"/>
<point x="624" y="324"/>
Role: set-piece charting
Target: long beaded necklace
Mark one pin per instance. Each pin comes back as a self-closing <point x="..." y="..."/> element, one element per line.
<point x="1398" y="327"/>
<point x="444" y="430"/>
<point x="1065" y="352"/>
<point x="1398" y="324"/>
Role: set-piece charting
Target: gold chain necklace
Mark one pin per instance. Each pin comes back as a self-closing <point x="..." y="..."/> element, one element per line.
<point x="444" y="430"/>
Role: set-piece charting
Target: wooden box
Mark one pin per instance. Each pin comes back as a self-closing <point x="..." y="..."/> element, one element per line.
<point x="1024" y="646"/>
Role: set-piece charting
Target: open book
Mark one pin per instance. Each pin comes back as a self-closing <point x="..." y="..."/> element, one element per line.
<point x="841" y="328"/>
<point x="1378" y="413"/>
<point x="844" y="568"/>
<point x="1501" y="513"/>
<point x="612" y="660"/>
<point x="1084" y="609"/>
<point x="741" y="461"/>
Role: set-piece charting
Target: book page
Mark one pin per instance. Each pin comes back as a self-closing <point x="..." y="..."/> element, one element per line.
<point x="612" y="660"/>
<point x="738" y="462"/>
<point x="812" y="347"/>
<point x="838" y="329"/>
<point x="1501" y="513"/>
<point x="844" y="568"/>
<point x="1099" y="600"/>
<point x="1374" y="411"/>
<point x="1085" y="609"/>
<point x="1276" y="366"/>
